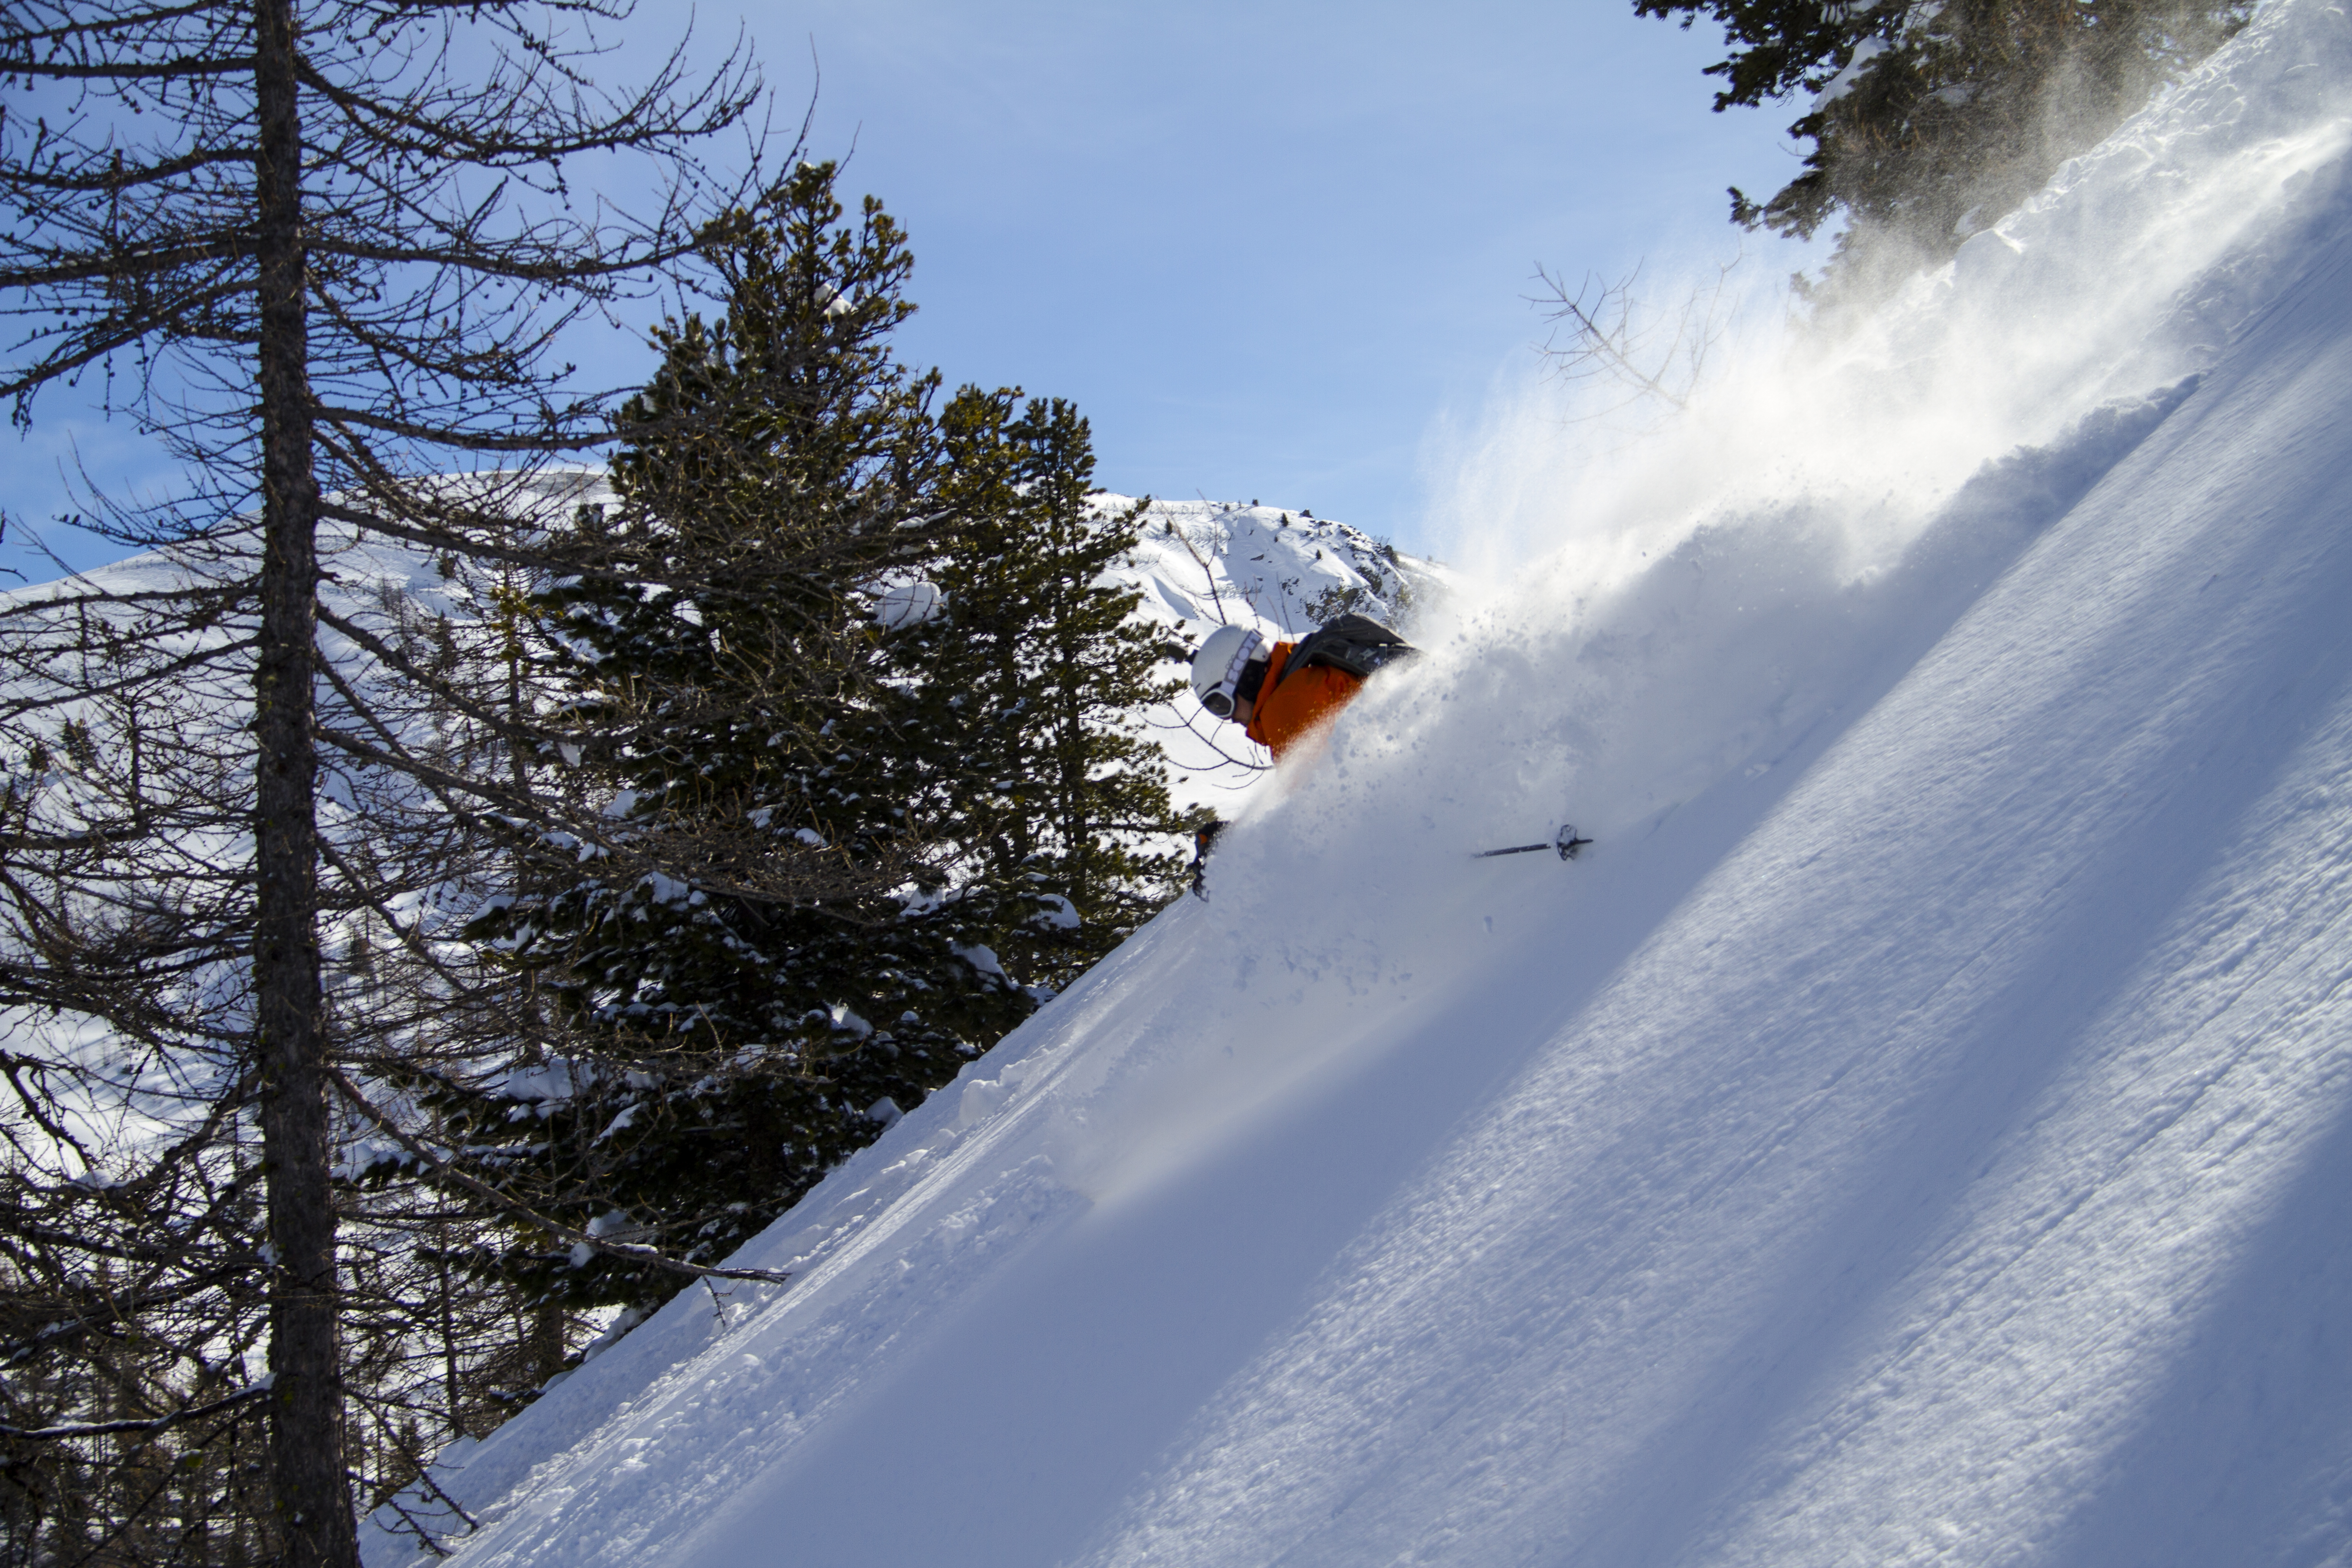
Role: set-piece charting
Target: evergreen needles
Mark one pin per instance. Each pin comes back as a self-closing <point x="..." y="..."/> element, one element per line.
<point x="1928" y="122"/>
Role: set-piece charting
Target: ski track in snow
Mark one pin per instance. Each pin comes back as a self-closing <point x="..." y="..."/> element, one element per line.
<point x="1919" y="1130"/>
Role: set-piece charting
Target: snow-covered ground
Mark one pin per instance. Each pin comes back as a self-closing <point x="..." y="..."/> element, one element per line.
<point x="1919" y="1130"/>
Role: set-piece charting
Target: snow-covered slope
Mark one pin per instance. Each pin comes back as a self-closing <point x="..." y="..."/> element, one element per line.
<point x="1920" y="1129"/>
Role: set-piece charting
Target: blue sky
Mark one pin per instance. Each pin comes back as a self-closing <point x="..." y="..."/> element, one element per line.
<point x="1267" y="247"/>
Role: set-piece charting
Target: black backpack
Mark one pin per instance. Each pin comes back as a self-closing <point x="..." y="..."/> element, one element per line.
<point x="1357" y="644"/>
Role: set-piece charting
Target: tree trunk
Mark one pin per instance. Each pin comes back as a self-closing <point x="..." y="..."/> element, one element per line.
<point x="310" y="1490"/>
<point x="546" y="1348"/>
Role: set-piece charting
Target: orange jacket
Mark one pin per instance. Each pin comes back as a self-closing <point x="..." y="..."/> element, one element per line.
<point x="1290" y="703"/>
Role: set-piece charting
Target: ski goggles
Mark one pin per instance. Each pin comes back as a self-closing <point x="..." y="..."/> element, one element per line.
<point x="1221" y="699"/>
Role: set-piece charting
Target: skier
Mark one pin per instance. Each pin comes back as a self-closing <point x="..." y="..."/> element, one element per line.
<point x="1279" y="693"/>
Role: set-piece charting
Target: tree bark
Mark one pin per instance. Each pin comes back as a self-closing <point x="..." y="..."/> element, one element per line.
<point x="312" y="1491"/>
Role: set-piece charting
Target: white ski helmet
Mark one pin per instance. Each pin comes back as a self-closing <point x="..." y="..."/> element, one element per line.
<point x="1218" y="667"/>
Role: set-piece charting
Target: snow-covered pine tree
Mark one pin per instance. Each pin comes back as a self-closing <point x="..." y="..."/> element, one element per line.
<point x="1039" y="669"/>
<point x="771" y="958"/>
<point x="1928" y="122"/>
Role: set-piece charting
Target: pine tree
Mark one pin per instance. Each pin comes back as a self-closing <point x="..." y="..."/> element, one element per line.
<point x="770" y="959"/>
<point x="1039" y="669"/>
<point x="1931" y="121"/>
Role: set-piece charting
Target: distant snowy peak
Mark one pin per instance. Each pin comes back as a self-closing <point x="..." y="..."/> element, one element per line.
<point x="1203" y="564"/>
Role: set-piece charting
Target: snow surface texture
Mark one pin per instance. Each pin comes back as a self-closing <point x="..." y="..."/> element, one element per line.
<point x="1919" y="1130"/>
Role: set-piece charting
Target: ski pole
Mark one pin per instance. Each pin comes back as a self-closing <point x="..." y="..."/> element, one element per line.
<point x="1566" y="841"/>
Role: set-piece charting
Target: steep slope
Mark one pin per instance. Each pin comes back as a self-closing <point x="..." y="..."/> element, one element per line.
<point x="1920" y="1129"/>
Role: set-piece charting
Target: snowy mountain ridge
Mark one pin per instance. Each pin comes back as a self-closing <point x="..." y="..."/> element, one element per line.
<point x="1917" y="1130"/>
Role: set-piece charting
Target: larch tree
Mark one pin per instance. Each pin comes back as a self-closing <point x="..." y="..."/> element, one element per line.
<point x="324" y="252"/>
